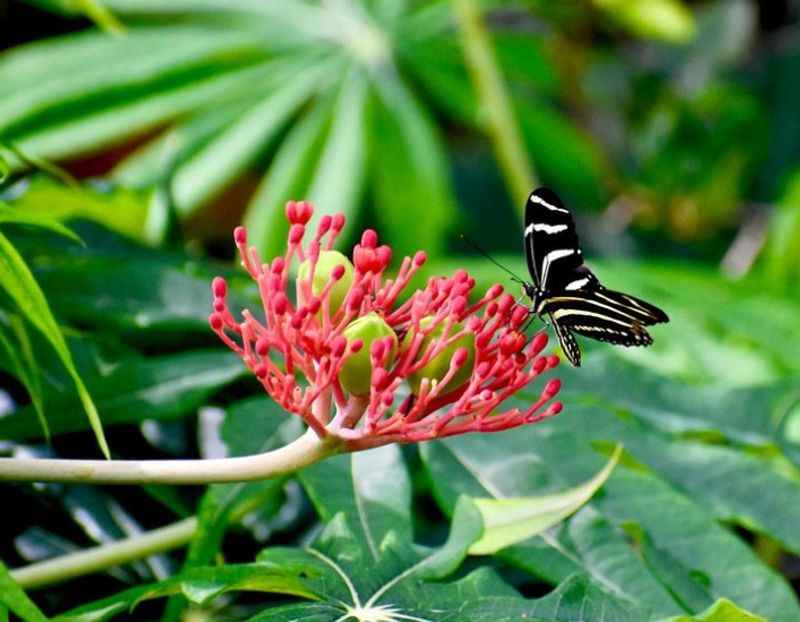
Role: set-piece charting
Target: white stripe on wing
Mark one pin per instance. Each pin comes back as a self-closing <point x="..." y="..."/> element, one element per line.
<point x="537" y="199"/>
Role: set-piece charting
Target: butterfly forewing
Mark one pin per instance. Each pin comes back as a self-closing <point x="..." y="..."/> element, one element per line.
<point x="569" y="292"/>
<point x="551" y="244"/>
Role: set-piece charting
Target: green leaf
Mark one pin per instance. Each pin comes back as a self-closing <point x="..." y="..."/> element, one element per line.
<point x="357" y="486"/>
<point x="12" y="596"/>
<point x="721" y="611"/>
<point x="151" y="163"/>
<point x="531" y="462"/>
<point x="237" y="146"/>
<point x="109" y="125"/>
<point x="339" y="175"/>
<point x="5" y="169"/>
<point x="17" y="280"/>
<point x="131" y="390"/>
<point x="199" y="585"/>
<point x="288" y="178"/>
<point x="95" y="10"/>
<point x="22" y="363"/>
<point x="113" y="284"/>
<point x="43" y="200"/>
<point x="512" y="520"/>
<point x="411" y="172"/>
<point x="343" y="580"/>
<point x="668" y="20"/>
<point x="576" y="599"/>
<point x="782" y="252"/>
<point x="58" y="76"/>
<point x="22" y="216"/>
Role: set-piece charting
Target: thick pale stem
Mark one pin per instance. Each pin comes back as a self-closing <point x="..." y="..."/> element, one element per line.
<point x="488" y="81"/>
<point x="105" y="556"/>
<point x="306" y="450"/>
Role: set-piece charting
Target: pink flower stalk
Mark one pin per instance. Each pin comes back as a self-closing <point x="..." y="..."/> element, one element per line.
<point x="436" y="366"/>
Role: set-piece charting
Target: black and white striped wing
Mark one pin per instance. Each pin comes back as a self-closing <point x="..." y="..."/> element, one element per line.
<point x="567" y="342"/>
<point x="552" y="249"/>
<point x="569" y="292"/>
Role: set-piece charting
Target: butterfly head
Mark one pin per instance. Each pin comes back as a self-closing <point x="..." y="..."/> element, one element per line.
<point x="534" y="293"/>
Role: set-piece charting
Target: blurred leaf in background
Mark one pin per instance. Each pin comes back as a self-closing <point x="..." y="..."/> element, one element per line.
<point x="669" y="126"/>
<point x="219" y="91"/>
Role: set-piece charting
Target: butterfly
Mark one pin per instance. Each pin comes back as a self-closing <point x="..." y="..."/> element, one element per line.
<point x="568" y="292"/>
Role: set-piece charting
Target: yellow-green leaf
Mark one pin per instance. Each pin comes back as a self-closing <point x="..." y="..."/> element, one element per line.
<point x="668" y="20"/>
<point x="512" y="520"/>
<point x="721" y="611"/>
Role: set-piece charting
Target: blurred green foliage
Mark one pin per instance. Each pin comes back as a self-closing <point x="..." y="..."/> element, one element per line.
<point x="149" y="129"/>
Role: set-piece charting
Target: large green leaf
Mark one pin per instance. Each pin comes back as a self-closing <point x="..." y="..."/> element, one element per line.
<point x="576" y="166"/>
<point x="45" y="92"/>
<point x="219" y="161"/>
<point x="23" y="216"/>
<point x="42" y="200"/>
<point x="682" y="527"/>
<point x="288" y="178"/>
<point x="113" y="284"/>
<point x="411" y="173"/>
<point x="339" y="578"/>
<point x="357" y="486"/>
<point x="16" y="279"/>
<point x="199" y="585"/>
<point x="128" y="118"/>
<point x="339" y="176"/>
<point x="131" y="390"/>
<point x="509" y="521"/>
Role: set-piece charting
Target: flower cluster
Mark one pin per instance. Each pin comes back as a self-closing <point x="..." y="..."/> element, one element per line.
<point x="338" y="345"/>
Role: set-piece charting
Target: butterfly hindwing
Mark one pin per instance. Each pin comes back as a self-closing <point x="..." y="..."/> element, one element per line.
<point x="569" y="292"/>
<point x="646" y="313"/>
<point x="567" y="342"/>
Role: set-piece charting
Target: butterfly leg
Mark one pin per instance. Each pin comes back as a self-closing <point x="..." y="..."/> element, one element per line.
<point x="529" y="321"/>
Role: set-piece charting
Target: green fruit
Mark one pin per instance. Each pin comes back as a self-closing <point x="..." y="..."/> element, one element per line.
<point x="327" y="261"/>
<point x="440" y="364"/>
<point x="356" y="374"/>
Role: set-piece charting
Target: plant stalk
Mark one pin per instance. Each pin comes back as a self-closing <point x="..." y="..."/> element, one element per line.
<point x="306" y="450"/>
<point x="105" y="556"/>
<point x="496" y="104"/>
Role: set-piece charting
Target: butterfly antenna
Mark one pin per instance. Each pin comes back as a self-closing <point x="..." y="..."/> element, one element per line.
<point x="490" y="258"/>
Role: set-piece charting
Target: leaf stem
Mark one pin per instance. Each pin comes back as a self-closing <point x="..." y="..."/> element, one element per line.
<point x="496" y="103"/>
<point x="105" y="556"/>
<point x="306" y="450"/>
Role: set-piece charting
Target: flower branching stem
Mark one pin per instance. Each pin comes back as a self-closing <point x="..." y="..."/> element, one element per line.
<point x="306" y="450"/>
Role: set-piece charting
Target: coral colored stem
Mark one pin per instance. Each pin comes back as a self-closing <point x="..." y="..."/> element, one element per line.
<point x="306" y="450"/>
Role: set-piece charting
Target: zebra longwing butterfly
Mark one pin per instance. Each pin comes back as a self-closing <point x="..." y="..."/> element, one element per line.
<point x="568" y="292"/>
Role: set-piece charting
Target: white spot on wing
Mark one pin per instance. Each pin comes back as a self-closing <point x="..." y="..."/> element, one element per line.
<point x="577" y="284"/>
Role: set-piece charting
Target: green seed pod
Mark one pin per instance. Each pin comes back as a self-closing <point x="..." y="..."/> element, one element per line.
<point x="438" y="366"/>
<point x="327" y="262"/>
<point x="356" y="374"/>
